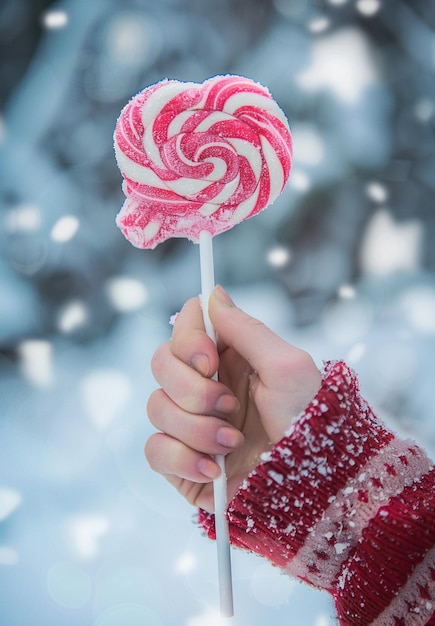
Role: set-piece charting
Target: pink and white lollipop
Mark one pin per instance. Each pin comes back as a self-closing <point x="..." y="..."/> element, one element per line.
<point x="197" y="159"/>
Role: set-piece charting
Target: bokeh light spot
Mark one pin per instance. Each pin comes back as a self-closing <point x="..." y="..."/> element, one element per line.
<point x="377" y="192"/>
<point x="342" y="64"/>
<point x="185" y="563"/>
<point x="347" y="291"/>
<point x="8" y="556"/>
<point x="69" y="585"/>
<point x="279" y="256"/>
<point x="368" y="8"/>
<point x="23" y="219"/>
<point x="104" y="393"/>
<point x="131" y="42"/>
<point x="72" y="316"/>
<point x="65" y="228"/>
<point x="126" y="294"/>
<point x="55" y="19"/>
<point x="10" y="499"/>
<point x="134" y="39"/>
<point x="36" y="360"/>
<point x="389" y="246"/>
<point x="318" y="24"/>
<point x="85" y="532"/>
<point x="418" y="305"/>
<point x="300" y="181"/>
<point x="424" y="109"/>
<point x="309" y="145"/>
<point x="356" y="352"/>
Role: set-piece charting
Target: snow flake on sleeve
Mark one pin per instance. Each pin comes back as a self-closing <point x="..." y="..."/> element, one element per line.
<point x="278" y="478"/>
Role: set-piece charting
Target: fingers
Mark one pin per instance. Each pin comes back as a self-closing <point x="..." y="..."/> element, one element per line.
<point x="205" y="434"/>
<point x="182" y="452"/>
<point x="189" y="407"/>
<point x="171" y="457"/>
<point x="183" y="367"/>
<point x="189" y="389"/>
<point x="190" y="342"/>
<point x="259" y="345"/>
<point x="286" y="377"/>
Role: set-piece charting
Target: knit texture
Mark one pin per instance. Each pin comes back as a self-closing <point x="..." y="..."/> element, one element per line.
<point x="344" y="505"/>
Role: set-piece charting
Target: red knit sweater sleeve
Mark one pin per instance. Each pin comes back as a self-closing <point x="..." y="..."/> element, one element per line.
<point x="345" y="505"/>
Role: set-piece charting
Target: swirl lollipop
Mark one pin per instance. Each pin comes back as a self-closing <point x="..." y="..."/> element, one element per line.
<point x="197" y="159"/>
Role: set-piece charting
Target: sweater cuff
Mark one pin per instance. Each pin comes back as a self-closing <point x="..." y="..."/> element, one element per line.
<point x="307" y="504"/>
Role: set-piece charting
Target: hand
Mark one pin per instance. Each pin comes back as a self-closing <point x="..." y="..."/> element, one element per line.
<point x="264" y="383"/>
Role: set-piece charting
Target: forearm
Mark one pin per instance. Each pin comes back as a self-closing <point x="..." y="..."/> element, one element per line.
<point x="343" y="504"/>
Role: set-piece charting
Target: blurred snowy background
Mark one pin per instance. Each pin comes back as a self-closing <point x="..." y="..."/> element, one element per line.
<point x="343" y="265"/>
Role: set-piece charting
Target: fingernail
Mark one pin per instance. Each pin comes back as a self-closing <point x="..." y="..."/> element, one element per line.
<point x="208" y="468"/>
<point x="200" y="363"/>
<point x="229" y="437"/>
<point x="226" y="404"/>
<point x="222" y="296"/>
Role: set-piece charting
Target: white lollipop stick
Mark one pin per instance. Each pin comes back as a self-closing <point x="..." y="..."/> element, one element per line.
<point x="220" y="484"/>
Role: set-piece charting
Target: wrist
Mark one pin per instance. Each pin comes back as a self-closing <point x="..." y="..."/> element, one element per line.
<point x="305" y="506"/>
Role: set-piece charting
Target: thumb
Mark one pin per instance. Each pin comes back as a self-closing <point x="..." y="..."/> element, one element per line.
<point x="254" y="341"/>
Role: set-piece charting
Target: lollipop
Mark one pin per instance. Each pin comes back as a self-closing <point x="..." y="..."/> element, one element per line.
<point x="197" y="159"/>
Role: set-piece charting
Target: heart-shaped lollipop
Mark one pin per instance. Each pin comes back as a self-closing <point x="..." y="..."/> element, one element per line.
<point x="199" y="157"/>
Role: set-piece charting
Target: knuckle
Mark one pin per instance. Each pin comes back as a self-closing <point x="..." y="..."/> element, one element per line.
<point x="158" y="359"/>
<point x="304" y="364"/>
<point x="192" y="493"/>
<point x="154" y="405"/>
<point x="150" y="451"/>
<point x="295" y="364"/>
<point x="306" y="361"/>
<point x="194" y="398"/>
